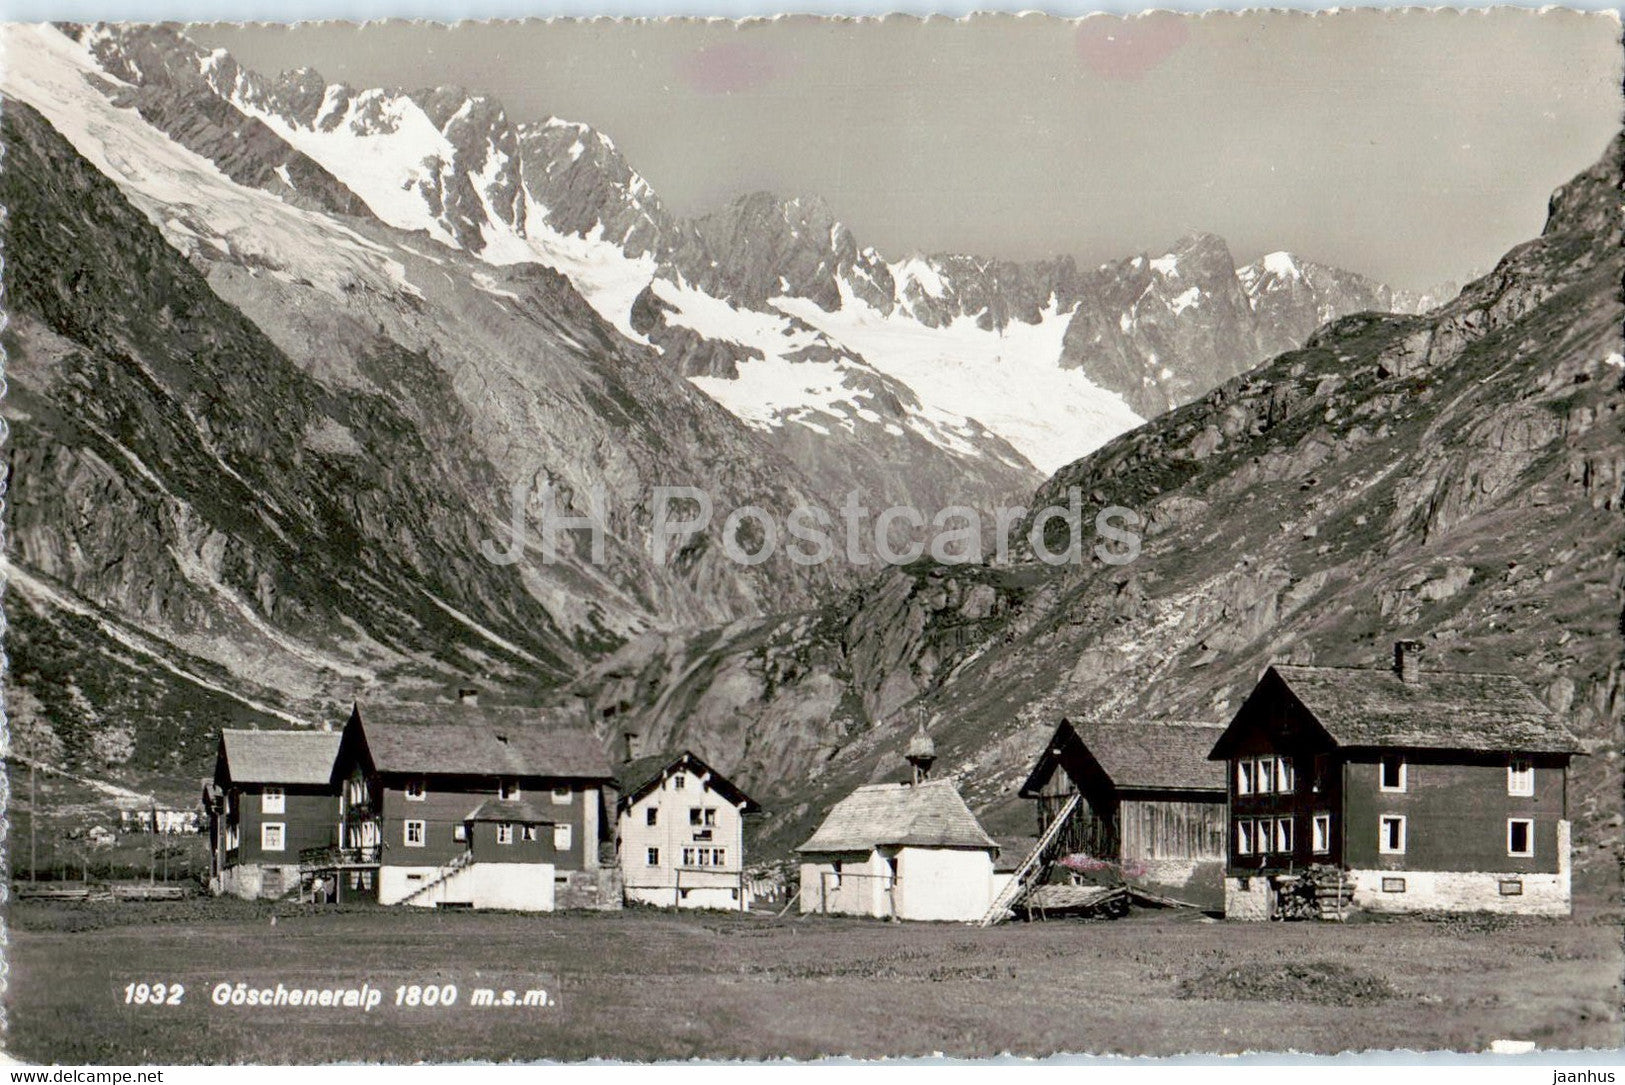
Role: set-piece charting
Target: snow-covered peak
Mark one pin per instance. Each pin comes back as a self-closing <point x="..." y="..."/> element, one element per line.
<point x="1282" y="264"/>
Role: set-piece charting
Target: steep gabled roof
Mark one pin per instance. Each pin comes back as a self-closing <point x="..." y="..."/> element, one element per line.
<point x="482" y="740"/>
<point x="636" y="778"/>
<point x="928" y="815"/>
<point x="1444" y="710"/>
<point x="1136" y="756"/>
<point x="279" y="757"/>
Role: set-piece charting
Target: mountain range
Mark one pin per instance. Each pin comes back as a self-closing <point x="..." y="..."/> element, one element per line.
<point x="281" y="352"/>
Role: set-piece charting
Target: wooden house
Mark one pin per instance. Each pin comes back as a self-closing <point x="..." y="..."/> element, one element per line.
<point x="680" y="833"/>
<point x="271" y="797"/>
<point x="904" y="851"/>
<point x="1138" y="801"/>
<point x="1423" y="790"/>
<point x="465" y="805"/>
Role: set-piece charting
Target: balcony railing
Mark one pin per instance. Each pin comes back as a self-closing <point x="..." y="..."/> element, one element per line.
<point x="335" y="856"/>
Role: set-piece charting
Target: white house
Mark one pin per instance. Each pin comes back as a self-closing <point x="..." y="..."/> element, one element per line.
<point x="680" y="834"/>
<point x="909" y="851"/>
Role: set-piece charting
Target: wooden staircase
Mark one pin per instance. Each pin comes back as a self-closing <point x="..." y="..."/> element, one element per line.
<point x="1031" y="867"/>
<point x="466" y="859"/>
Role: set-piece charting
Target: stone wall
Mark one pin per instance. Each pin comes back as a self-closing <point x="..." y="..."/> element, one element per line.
<point x="596" y="890"/>
<point x="1248" y="898"/>
<point x="251" y="881"/>
<point x="1469" y="891"/>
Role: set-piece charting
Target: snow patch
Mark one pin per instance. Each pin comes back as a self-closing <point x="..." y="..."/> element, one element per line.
<point x="1282" y="265"/>
<point x="199" y="210"/>
<point x="1009" y="380"/>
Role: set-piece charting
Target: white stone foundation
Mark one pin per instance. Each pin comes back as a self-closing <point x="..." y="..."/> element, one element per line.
<point x="1251" y="903"/>
<point x="520" y="887"/>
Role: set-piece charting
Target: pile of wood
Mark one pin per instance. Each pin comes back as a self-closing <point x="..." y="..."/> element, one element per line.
<point x="1334" y="899"/>
<point x="1082" y="901"/>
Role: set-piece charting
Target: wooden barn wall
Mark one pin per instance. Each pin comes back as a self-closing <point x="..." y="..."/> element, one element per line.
<point x="1171" y="829"/>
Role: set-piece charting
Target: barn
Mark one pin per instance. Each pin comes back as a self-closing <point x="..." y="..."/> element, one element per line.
<point x="270" y="799"/>
<point x="1422" y="790"/>
<point x="1136" y="801"/>
<point x="903" y="851"/>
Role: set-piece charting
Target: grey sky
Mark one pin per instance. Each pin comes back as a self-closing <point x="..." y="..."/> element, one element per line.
<point x="1409" y="146"/>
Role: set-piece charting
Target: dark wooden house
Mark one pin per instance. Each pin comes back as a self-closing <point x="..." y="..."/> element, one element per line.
<point x="1422" y="790"/>
<point x="462" y="804"/>
<point x="1139" y="801"/>
<point x="270" y="799"/>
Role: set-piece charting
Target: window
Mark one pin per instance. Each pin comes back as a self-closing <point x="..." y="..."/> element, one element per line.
<point x="527" y="833"/>
<point x="507" y="789"/>
<point x="688" y="856"/>
<point x="678" y="781"/>
<point x="1391" y="835"/>
<point x="694" y="813"/>
<point x="561" y="796"/>
<point x="1244" y="837"/>
<point x="1285" y="781"/>
<point x="1512" y="887"/>
<point x="1323" y="767"/>
<point x="1283" y="835"/>
<point x="653" y="857"/>
<point x="1264" y="774"/>
<point x="1320" y="833"/>
<point x="719" y="856"/>
<point x="705" y="856"/>
<point x="413" y="834"/>
<point x="1392" y="773"/>
<point x="1244" y="777"/>
<point x="273" y="800"/>
<point x="271" y="836"/>
<point x="651" y="816"/>
<point x="1520" y="837"/>
<point x="1393" y="885"/>
<point x="416" y="790"/>
<point x="459" y="833"/>
<point x="504" y="833"/>
<point x="561" y="838"/>
<point x="1520" y="777"/>
<point x="835" y="870"/>
<point x="710" y="816"/>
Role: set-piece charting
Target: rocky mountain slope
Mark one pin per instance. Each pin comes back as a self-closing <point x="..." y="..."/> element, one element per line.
<point x="253" y="481"/>
<point x="953" y="373"/>
<point x="1456" y="478"/>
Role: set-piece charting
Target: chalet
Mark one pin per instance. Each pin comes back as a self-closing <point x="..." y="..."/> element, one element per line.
<point x="465" y="805"/>
<point x="271" y="797"/>
<point x="680" y="833"/>
<point x="903" y="851"/>
<point x="1423" y="790"/>
<point x="1135" y="801"/>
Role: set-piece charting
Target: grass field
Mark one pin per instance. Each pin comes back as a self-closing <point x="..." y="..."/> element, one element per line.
<point x="650" y="985"/>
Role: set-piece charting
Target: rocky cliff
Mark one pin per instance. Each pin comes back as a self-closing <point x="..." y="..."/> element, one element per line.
<point x="1456" y="478"/>
<point x="877" y="374"/>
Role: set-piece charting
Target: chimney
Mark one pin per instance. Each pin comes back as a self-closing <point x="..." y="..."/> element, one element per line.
<point x="630" y="738"/>
<point x="1406" y="665"/>
<point x="468" y="695"/>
